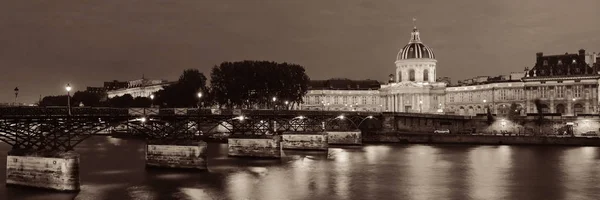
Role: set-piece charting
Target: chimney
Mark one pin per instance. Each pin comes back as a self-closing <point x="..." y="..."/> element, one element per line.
<point x="582" y="54"/>
<point x="538" y="57"/>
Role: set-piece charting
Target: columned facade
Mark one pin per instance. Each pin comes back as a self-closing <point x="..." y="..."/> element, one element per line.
<point x="565" y="84"/>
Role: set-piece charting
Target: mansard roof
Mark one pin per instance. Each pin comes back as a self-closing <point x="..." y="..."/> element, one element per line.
<point x="561" y="65"/>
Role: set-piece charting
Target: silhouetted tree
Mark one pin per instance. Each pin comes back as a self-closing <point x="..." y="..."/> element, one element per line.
<point x="87" y="98"/>
<point x="490" y="117"/>
<point x="60" y="100"/>
<point x="255" y="83"/>
<point x="141" y="102"/>
<point x="540" y="116"/>
<point x="184" y="93"/>
<point x="124" y="101"/>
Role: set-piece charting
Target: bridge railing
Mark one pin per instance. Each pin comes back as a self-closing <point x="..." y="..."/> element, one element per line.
<point x="107" y="111"/>
<point x="60" y="111"/>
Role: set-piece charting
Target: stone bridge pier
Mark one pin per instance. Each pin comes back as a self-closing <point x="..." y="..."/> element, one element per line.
<point x="182" y="155"/>
<point x="57" y="171"/>
<point x="260" y="146"/>
<point x="316" y="140"/>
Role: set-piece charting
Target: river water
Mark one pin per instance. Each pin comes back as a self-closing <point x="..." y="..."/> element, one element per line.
<point x="114" y="169"/>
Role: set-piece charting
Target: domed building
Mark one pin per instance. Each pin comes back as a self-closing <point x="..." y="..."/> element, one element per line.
<point x="416" y="61"/>
<point x="413" y="87"/>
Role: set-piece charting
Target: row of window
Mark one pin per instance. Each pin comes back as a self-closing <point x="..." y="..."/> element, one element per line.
<point x="577" y="91"/>
<point x="340" y="100"/>
<point x="480" y="96"/>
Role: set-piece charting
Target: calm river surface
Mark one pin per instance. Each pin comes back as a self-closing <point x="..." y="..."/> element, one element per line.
<point x="114" y="169"/>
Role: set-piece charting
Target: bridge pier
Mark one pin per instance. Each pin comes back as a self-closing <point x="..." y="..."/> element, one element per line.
<point x="344" y="137"/>
<point x="263" y="146"/>
<point x="305" y="141"/>
<point x="58" y="171"/>
<point x="191" y="155"/>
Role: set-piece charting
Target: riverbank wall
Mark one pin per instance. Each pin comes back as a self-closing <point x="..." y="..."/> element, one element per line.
<point x="479" y="139"/>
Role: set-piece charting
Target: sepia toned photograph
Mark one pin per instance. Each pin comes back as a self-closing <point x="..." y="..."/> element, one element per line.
<point x="299" y="100"/>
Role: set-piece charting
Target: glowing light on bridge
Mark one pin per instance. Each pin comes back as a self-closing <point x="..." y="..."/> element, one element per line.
<point x="241" y="118"/>
<point x="300" y="117"/>
<point x="370" y="117"/>
<point x="341" y="117"/>
<point x="143" y="119"/>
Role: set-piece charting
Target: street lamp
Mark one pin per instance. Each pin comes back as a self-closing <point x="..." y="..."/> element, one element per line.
<point x="16" y="94"/>
<point x="68" y="88"/>
<point x="151" y="100"/>
<point x="274" y="100"/>
<point x="286" y="105"/>
<point x="200" y="99"/>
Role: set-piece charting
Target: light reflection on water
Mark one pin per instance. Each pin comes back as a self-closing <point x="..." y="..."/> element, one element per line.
<point x="114" y="169"/>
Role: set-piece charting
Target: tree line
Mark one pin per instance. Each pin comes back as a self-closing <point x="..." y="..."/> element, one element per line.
<point x="243" y="84"/>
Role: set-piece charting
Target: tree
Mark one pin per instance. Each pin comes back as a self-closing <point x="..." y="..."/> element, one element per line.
<point x="515" y="111"/>
<point x="255" y="83"/>
<point x="124" y="101"/>
<point x="540" y="116"/>
<point x="87" y="98"/>
<point x="184" y="93"/>
<point x="60" y="100"/>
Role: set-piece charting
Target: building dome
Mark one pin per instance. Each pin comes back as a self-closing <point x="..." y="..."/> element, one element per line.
<point x="415" y="48"/>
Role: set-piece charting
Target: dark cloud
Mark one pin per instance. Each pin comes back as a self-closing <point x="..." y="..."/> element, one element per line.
<point x="45" y="44"/>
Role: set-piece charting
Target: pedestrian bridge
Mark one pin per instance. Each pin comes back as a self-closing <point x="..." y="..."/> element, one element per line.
<point x="43" y="139"/>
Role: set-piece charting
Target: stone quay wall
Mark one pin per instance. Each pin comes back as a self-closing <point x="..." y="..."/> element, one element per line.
<point x="305" y="141"/>
<point x="479" y="139"/>
<point x="522" y="125"/>
<point x="57" y="172"/>
<point x="262" y="147"/>
<point x="188" y="156"/>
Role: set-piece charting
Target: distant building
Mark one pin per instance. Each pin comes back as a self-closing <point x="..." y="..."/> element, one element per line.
<point x="565" y="84"/>
<point x="96" y="90"/>
<point x="136" y="88"/>
<point x="115" y="85"/>
<point x="342" y="94"/>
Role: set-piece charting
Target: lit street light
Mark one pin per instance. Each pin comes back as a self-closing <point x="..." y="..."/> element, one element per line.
<point x="151" y="100"/>
<point x="68" y="88"/>
<point x="286" y="105"/>
<point x="274" y="104"/>
<point x="16" y="94"/>
<point x="200" y="99"/>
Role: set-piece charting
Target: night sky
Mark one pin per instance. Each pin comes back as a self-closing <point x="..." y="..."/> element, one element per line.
<point x="45" y="44"/>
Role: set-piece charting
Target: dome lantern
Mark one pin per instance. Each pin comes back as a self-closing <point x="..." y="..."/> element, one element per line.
<point x="415" y="49"/>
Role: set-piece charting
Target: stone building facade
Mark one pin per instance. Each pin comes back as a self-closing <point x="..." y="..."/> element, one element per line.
<point x="565" y="84"/>
<point x="343" y="95"/>
<point x="138" y="88"/>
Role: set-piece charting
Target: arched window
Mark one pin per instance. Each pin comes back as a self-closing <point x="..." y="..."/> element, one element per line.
<point x="578" y="109"/>
<point x="411" y="75"/>
<point x="560" y="109"/>
<point x="400" y="76"/>
<point x="425" y="75"/>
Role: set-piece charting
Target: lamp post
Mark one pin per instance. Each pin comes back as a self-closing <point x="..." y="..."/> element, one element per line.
<point x="199" y="99"/>
<point x="16" y="94"/>
<point x="274" y="104"/>
<point x="68" y="88"/>
<point x="487" y="108"/>
<point x="151" y="100"/>
<point x="286" y="105"/>
<point x="323" y="104"/>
